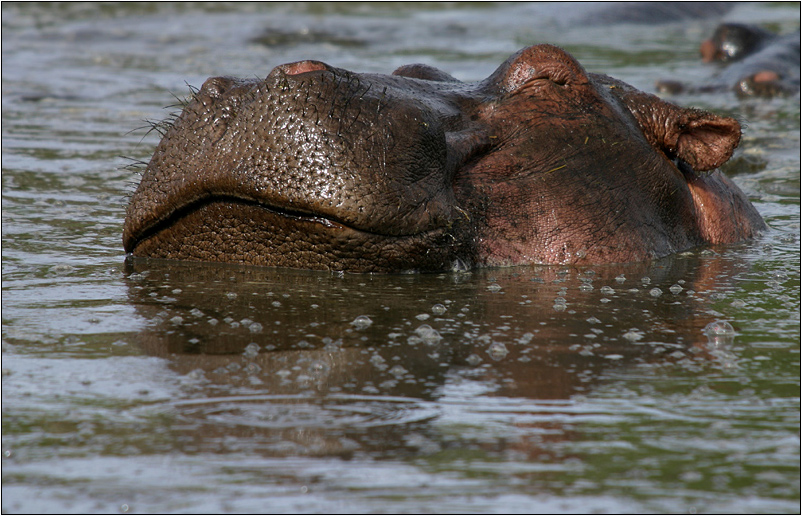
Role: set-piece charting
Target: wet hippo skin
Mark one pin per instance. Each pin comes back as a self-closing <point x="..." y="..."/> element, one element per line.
<point x="321" y="168"/>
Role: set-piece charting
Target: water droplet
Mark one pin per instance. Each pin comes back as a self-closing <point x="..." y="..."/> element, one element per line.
<point x="646" y="280"/>
<point x="620" y="278"/>
<point x="494" y="287"/>
<point x="655" y="292"/>
<point x="255" y="327"/>
<point x="362" y="322"/>
<point x="607" y="290"/>
<point x="675" y="288"/>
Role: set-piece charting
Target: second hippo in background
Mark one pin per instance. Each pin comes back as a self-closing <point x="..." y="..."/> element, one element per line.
<point x="757" y="63"/>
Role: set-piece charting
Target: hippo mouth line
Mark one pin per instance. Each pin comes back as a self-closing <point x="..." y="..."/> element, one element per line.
<point x="301" y="217"/>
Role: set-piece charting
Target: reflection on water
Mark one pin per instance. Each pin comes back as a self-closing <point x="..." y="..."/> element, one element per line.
<point x="153" y="386"/>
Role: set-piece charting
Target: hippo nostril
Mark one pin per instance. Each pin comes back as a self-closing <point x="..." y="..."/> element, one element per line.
<point x="300" y="67"/>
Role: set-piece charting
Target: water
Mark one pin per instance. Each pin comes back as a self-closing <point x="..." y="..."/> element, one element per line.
<point x="169" y="387"/>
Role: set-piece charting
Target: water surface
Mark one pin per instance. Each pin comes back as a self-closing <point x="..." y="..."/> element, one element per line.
<point x="166" y="387"/>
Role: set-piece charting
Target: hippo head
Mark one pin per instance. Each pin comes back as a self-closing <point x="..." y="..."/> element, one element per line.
<point x="321" y="168"/>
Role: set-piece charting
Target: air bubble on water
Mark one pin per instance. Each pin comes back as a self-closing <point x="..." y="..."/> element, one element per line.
<point x="646" y="280"/>
<point x="194" y="340"/>
<point x="607" y="291"/>
<point x="614" y="357"/>
<point x="438" y="309"/>
<point x="604" y="300"/>
<point x="593" y="320"/>
<point x="251" y="350"/>
<point x="738" y="303"/>
<point x="559" y="307"/>
<point x="252" y="368"/>
<point x="176" y="291"/>
<point x="586" y="287"/>
<point x="719" y="329"/>
<point x="196" y="374"/>
<point x="255" y="327"/>
<point x="177" y="319"/>
<point x="675" y="288"/>
<point x="361" y="322"/>
<point x="318" y="367"/>
<point x="655" y="292"/>
<point x="196" y="312"/>
<point x="283" y="374"/>
<point x="245" y="321"/>
<point x="64" y="269"/>
<point x="633" y="335"/>
<point x="526" y="338"/>
<point x="378" y="362"/>
<point x="213" y="321"/>
<point x="428" y="334"/>
<point x="494" y="287"/>
<point x="276" y="304"/>
<point x="620" y="278"/>
<point x="397" y="371"/>
<point x="231" y="295"/>
<point x="234" y="367"/>
<point x="422" y="317"/>
<point x="497" y="350"/>
<point x="474" y="360"/>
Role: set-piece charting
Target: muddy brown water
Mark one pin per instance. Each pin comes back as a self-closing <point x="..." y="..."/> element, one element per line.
<point x="168" y="387"/>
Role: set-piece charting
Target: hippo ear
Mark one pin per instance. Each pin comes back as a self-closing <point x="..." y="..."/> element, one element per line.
<point x="702" y="140"/>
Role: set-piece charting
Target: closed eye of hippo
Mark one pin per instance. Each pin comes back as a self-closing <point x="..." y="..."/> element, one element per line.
<point x="318" y="167"/>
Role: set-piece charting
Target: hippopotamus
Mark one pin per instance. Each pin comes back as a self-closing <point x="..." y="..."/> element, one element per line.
<point x="542" y="162"/>
<point x="757" y="63"/>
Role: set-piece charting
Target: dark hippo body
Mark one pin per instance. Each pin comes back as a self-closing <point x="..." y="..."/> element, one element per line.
<point x="318" y="167"/>
<point x="754" y="62"/>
